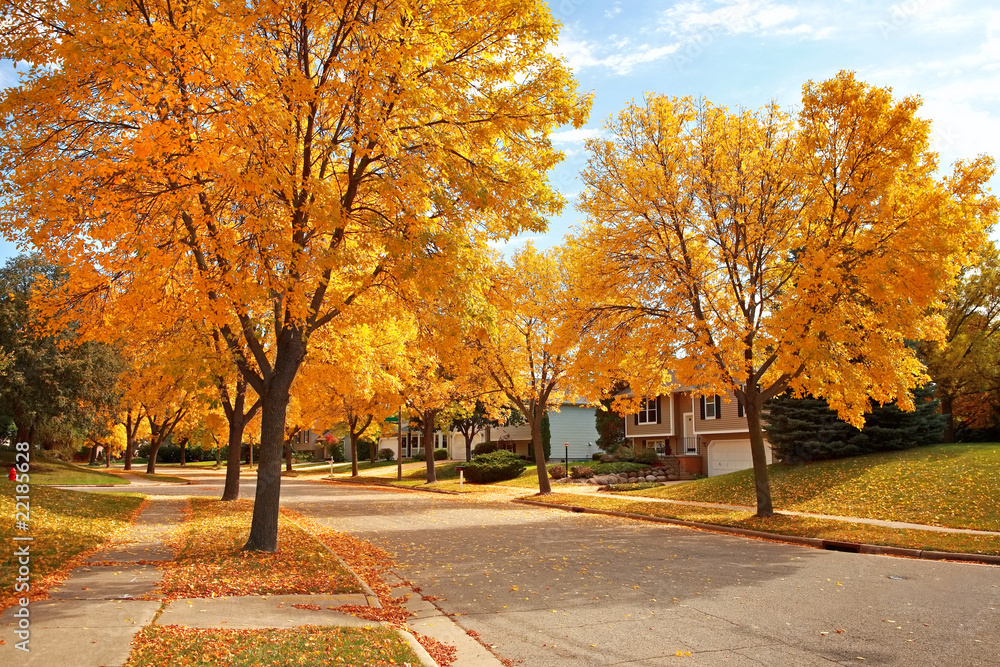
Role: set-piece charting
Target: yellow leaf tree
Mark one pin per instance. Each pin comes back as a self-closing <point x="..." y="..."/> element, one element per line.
<point x="756" y="252"/>
<point x="530" y="349"/>
<point x="283" y="157"/>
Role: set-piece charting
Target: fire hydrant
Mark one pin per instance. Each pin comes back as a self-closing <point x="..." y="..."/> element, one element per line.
<point x="13" y="474"/>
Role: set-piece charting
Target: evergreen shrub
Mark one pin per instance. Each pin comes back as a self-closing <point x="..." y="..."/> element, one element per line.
<point x="494" y="467"/>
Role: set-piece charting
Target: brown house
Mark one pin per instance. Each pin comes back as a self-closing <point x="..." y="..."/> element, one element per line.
<point x="707" y="435"/>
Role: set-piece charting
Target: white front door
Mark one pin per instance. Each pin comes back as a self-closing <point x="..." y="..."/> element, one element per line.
<point x="688" y="424"/>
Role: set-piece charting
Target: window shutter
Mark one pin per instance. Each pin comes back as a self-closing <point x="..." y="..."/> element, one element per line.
<point x="702" y="407"/>
<point x="741" y="411"/>
<point x="718" y="407"/>
<point x="635" y="418"/>
<point x="659" y="412"/>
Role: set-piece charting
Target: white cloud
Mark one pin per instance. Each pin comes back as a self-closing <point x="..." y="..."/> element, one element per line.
<point x="575" y="136"/>
<point x="621" y="57"/>
<point x="730" y="16"/>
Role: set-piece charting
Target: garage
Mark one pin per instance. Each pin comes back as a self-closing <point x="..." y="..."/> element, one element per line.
<point x="725" y="456"/>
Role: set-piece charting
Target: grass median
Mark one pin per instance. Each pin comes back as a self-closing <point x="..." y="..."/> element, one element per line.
<point x="172" y="646"/>
<point x="210" y="561"/>
<point x="780" y="524"/>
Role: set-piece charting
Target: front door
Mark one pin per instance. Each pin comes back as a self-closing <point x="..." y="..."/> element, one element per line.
<point x="687" y="445"/>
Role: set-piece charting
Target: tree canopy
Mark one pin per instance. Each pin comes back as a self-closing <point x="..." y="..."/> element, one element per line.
<point x="274" y="162"/>
<point x="753" y="252"/>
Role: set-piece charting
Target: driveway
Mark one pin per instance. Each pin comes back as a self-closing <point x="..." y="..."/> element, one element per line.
<point x="547" y="587"/>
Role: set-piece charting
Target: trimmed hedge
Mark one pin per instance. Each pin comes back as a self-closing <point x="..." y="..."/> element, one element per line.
<point x="440" y="454"/>
<point x="494" y="467"/>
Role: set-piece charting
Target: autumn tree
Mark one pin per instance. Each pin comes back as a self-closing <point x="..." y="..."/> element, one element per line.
<point x="283" y="157"/>
<point x="530" y="349"/>
<point x="964" y="364"/>
<point x="351" y="376"/>
<point x="752" y="253"/>
<point x="56" y="386"/>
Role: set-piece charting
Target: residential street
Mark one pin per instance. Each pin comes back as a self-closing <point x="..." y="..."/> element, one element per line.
<point x="548" y="587"/>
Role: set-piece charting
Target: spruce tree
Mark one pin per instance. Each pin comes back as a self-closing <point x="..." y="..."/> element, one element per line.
<point x="806" y="429"/>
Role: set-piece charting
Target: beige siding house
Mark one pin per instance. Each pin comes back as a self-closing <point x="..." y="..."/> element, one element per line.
<point x="706" y="435"/>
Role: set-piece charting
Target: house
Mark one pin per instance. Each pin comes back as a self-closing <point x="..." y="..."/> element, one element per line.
<point x="572" y="425"/>
<point x="707" y="435"/>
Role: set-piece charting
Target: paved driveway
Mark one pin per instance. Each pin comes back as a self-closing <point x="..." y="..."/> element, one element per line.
<point x="548" y="587"/>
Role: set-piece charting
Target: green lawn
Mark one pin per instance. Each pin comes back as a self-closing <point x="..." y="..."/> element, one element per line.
<point x="947" y="485"/>
<point x="783" y="524"/>
<point x="158" y="477"/>
<point x="55" y="472"/>
<point x="339" y="468"/>
<point x="172" y="646"/>
<point x="63" y="524"/>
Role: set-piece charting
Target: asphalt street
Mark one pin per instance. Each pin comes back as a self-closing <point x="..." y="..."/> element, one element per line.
<point x="546" y="587"/>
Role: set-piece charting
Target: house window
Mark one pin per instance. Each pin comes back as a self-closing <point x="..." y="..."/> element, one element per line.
<point x="440" y="441"/>
<point x="658" y="446"/>
<point x="649" y="411"/>
<point x="711" y="407"/>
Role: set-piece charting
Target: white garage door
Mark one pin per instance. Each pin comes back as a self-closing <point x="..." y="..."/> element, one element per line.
<point x="726" y="456"/>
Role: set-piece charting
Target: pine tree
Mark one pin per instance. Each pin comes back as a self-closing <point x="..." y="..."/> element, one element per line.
<point x="610" y="427"/>
<point x="806" y="429"/>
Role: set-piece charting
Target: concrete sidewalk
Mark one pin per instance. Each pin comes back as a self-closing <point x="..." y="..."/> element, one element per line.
<point x="91" y="619"/>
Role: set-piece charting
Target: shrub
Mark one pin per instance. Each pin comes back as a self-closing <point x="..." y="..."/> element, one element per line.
<point x="419" y="456"/>
<point x="623" y="454"/>
<point x="557" y="472"/>
<point x="494" y="467"/>
<point x="616" y="467"/>
<point x="597" y="456"/>
<point x="386" y="454"/>
<point x="337" y="452"/>
<point x="647" y="456"/>
<point x="484" y="448"/>
<point x="581" y="472"/>
<point x="440" y="454"/>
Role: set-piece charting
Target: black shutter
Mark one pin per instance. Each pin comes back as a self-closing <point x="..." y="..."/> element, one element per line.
<point x="659" y="411"/>
<point x="702" y="407"/>
<point x="635" y="418"/>
<point x="718" y="407"/>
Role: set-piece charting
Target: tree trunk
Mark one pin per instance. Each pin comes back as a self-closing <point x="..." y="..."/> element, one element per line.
<point x="107" y="456"/>
<point x="948" y="410"/>
<point x="544" y="487"/>
<point x="762" y="483"/>
<point x="428" y="417"/>
<point x="353" y="446"/>
<point x="288" y="456"/>
<point x="93" y="453"/>
<point x="129" y="445"/>
<point x="184" y="443"/>
<point x="468" y="446"/>
<point x="233" y="459"/>
<point x="154" y="448"/>
<point x="274" y="407"/>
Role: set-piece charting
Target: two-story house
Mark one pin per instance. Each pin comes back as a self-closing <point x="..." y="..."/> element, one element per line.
<point x="707" y="435"/>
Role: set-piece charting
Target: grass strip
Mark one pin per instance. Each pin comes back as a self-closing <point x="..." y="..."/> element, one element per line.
<point x="66" y="526"/>
<point x="54" y="472"/>
<point x="172" y="646"/>
<point x="781" y="524"/>
<point x="957" y="486"/>
<point x="210" y="562"/>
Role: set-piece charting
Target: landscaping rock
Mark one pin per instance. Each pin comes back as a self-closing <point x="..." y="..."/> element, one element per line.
<point x="650" y="478"/>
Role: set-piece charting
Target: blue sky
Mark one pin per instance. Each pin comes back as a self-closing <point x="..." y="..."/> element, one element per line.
<point x="745" y="53"/>
<point x="749" y="52"/>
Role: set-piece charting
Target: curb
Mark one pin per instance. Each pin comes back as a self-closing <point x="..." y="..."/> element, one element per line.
<point x="815" y="543"/>
<point x="373" y="600"/>
<point x="391" y="486"/>
<point x="418" y="648"/>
